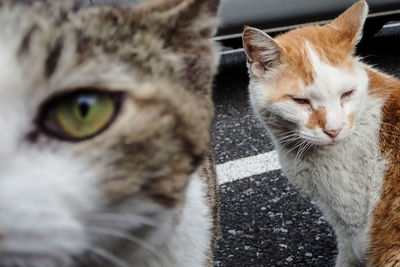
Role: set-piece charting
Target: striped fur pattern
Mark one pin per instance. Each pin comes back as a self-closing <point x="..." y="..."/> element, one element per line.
<point x="143" y="191"/>
<point x="334" y="121"/>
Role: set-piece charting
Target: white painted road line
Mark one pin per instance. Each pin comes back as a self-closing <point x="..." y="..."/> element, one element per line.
<point x="245" y="167"/>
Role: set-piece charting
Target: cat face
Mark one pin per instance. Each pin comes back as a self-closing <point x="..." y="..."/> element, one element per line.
<point x="309" y="78"/>
<point x="105" y="115"/>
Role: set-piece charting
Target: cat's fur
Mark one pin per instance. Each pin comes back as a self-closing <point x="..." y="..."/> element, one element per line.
<point x="140" y="193"/>
<point x="333" y="121"/>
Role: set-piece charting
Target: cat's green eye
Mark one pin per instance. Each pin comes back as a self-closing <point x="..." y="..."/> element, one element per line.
<point x="79" y="115"/>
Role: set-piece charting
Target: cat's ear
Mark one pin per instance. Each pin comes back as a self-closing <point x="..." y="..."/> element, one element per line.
<point x="351" y="22"/>
<point x="262" y="52"/>
<point x="196" y="18"/>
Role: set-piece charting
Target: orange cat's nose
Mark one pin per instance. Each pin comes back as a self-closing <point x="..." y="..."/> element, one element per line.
<point x="332" y="133"/>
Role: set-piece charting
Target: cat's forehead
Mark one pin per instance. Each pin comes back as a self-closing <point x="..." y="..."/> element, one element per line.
<point x="310" y="74"/>
<point x="333" y="79"/>
<point x="297" y="44"/>
<point x="55" y="45"/>
<point x="103" y="35"/>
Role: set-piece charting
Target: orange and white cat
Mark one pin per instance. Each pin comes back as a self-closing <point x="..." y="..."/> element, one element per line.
<point x="335" y="123"/>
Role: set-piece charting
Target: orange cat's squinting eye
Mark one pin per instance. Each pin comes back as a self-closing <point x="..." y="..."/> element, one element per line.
<point x="347" y="94"/>
<point x="301" y="101"/>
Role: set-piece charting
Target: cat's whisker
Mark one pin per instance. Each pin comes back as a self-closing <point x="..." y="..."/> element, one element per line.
<point x="296" y="157"/>
<point x="300" y="143"/>
<point x="294" y="148"/>
<point x="287" y="134"/>
<point x="302" y="150"/>
<point x="288" y="138"/>
<point x="123" y="219"/>
<point x="289" y="142"/>
<point x="111" y="258"/>
<point x="308" y="146"/>
<point x="270" y="147"/>
<point x="121" y="235"/>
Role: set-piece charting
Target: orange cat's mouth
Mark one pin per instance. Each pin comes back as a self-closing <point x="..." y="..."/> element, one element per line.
<point x="333" y="143"/>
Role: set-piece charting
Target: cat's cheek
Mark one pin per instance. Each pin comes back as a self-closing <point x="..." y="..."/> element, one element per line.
<point x="55" y="200"/>
<point x="350" y="121"/>
<point x="293" y="112"/>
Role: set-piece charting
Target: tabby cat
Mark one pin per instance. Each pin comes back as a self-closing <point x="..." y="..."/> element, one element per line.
<point x="335" y="123"/>
<point x="105" y="120"/>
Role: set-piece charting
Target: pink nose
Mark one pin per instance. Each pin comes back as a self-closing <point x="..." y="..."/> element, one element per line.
<point x="332" y="133"/>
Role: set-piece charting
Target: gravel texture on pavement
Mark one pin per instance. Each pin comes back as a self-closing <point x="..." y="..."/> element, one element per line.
<point x="266" y="222"/>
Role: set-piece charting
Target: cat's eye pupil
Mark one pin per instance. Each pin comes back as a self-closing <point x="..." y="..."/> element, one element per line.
<point x="84" y="103"/>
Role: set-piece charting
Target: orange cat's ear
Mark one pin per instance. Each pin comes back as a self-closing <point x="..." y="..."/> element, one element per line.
<point x="351" y="22"/>
<point x="262" y="51"/>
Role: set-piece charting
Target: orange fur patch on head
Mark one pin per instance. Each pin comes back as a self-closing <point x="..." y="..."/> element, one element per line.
<point x="334" y="43"/>
<point x="295" y="58"/>
<point x="350" y="118"/>
<point x="317" y="118"/>
<point x="284" y="87"/>
<point x="328" y="43"/>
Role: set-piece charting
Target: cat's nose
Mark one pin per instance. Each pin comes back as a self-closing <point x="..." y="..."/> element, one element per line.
<point x="332" y="133"/>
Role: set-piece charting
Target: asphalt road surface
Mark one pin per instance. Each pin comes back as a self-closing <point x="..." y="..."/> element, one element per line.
<point x="265" y="221"/>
